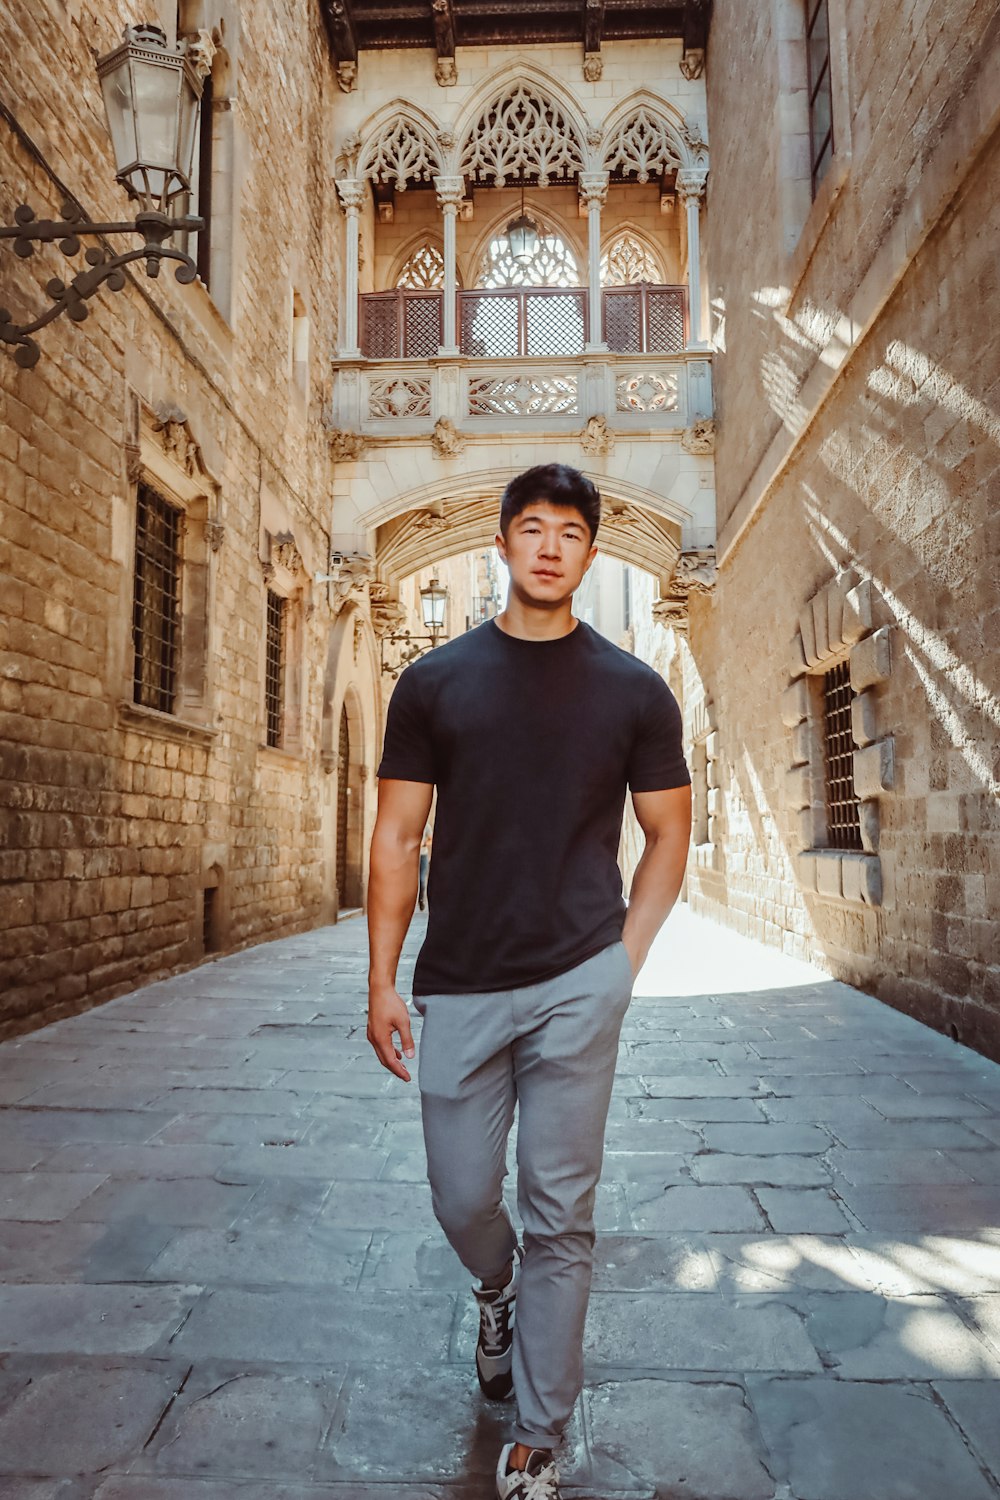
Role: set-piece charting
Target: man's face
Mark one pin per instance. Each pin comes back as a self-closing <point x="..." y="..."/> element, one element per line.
<point x="548" y="551"/>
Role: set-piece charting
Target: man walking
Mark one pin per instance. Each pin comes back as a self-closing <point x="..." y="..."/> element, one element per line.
<point x="531" y="726"/>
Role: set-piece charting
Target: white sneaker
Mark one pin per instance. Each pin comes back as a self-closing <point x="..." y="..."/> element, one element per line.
<point x="495" y="1346"/>
<point x="538" y="1480"/>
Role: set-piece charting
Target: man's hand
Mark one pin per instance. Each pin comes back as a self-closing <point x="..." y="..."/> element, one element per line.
<point x="388" y="1015"/>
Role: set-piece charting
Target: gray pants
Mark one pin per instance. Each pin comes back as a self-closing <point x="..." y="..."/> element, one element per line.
<point x="552" y="1048"/>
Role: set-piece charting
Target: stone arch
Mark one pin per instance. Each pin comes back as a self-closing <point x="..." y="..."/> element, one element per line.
<point x="638" y="233"/>
<point x="547" y="220"/>
<point x="398" y="144"/>
<point x="426" y="526"/>
<point x="351" y="683"/>
<point x="651" y="134"/>
<point x="556" y="140"/>
<point x="426" y="237"/>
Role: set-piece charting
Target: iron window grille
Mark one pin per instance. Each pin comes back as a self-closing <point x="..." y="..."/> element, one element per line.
<point x="820" y="101"/>
<point x="842" y="821"/>
<point x="274" y="668"/>
<point x="156" y="600"/>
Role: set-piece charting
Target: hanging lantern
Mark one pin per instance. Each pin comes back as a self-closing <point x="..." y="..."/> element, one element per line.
<point x="152" y="95"/>
<point x="522" y="236"/>
<point x="432" y="602"/>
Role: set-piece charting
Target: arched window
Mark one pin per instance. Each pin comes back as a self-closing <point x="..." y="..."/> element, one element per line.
<point x="628" y="260"/>
<point x="553" y="263"/>
<point x="423" y="269"/>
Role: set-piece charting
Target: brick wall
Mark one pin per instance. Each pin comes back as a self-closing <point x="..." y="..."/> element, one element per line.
<point x="888" y="463"/>
<point x="111" y="827"/>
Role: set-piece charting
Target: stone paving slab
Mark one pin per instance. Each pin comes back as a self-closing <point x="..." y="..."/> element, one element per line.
<point x="221" y="1278"/>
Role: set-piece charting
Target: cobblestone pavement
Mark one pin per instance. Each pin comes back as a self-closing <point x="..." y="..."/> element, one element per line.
<point x="222" y="1277"/>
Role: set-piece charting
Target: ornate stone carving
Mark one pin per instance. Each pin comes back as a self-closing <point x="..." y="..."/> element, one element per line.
<point x="345" y="447"/>
<point x="693" y="62"/>
<point x="347" y="76"/>
<point x="329" y="762"/>
<point x="388" y="615"/>
<point x="346" y="161"/>
<point x="215" y="534"/>
<point x="617" y="516"/>
<point x="403" y="151"/>
<point x="700" y="436"/>
<point x="176" y="440"/>
<point x="359" y="635"/>
<point x="694" y="136"/>
<point x="691" y="183"/>
<point x="597" y="439"/>
<point x="522" y="132"/>
<point x="446" y="440"/>
<point x="391" y="397"/>
<point x="431" y="519"/>
<point x="201" y="50"/>
<point x="642" y="146"/>
<point x="694" y="573"/>
<point x="133" y="463"/>
<point x="351" y="191"/>
<point x="593" y="187"/>
<point x="522" y="395"/>
<point x="267" y="569"/>
<point x="445" y="72"/>
<point x="353" y="581"/>
<point x="285" y="553"/>
<point x="593" y="67"/>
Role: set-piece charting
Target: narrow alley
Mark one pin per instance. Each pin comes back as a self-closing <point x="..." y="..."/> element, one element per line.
<point x="222" y="1269"/>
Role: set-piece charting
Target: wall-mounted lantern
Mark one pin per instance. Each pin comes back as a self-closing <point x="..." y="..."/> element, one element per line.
<point x="433" y="602"/>
<point x="152" y="96"/>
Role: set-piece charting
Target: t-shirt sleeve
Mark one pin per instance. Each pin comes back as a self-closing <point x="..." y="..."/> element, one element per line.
<point x="657" y="759"/>
<point x="408" y="750"/>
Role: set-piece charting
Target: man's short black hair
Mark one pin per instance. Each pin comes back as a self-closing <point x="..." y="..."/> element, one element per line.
<point x="559" y="484"/>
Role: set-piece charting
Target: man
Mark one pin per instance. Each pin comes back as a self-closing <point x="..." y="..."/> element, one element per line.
<point x="530" y="726"/>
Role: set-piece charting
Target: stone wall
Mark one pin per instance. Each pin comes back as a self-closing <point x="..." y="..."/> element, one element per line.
<point x="115" y="821"/>
<point x="858" y="445"/>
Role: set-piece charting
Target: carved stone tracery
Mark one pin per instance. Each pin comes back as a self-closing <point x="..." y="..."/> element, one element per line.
<point x="522" y="134"/>
<point x="694" y="573"/>
<point x="402" y="151"/>
<point x="641" y="146"/>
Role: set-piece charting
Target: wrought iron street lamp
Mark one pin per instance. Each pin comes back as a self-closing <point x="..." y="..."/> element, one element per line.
<point x="433" y="601"/>
<point x="152" y="96"/>
<point x="522" y="236"/>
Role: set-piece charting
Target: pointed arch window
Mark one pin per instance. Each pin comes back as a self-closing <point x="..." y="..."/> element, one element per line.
<point x="423" y="270"/>
<point x="553" y="264"/>
<point x="629" y="260"/>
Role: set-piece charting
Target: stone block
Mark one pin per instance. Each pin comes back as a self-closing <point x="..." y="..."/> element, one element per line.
<point x="828" y="873"/>
<point x="821" y="625"/>
<point x="868" y="817"/>
<point x="874" y="769"/>
<point x="861" y="878"/>
<point x="712" y="745"/>
<point x="807" y="631"/>
<point x="863" y="718"/>
<point x="797" y="663"/>
<point x="871" y="660"/>
<point x="803" y="743"/>
<point x="798" y="786"/>
<point x="812" y="826"/>
<point x="795" y="703"/>
<point x="857" y="613"/>
<point x="805" y="865"/>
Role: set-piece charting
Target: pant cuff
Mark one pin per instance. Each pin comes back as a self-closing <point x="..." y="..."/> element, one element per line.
<point x="547" y="1440"/>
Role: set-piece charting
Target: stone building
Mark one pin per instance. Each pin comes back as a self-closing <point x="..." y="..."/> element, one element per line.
<point x="222" y="499"/>
<point x="842" y="686"/>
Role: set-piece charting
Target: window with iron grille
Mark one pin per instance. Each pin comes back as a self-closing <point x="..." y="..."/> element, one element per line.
<point x="820" y="103"/>
<point x="156" y="600"/>
<point x="274" y="668"/>
<point x="842" y="822"/>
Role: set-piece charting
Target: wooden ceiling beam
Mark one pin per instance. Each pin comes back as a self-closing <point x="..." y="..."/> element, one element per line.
<point x="443" y="12"/>
<point x="340" y="29"/>
<point x="593" y="25"/>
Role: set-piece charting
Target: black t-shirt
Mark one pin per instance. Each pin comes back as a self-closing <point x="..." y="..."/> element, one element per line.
<point x="531" y="745"/>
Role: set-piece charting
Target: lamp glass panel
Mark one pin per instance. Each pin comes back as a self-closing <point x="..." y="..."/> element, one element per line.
<point x="190" y="108"/>
<point x="156" y="89"/>
<point x="433" y="602"/>
<point x="116" y="87"/>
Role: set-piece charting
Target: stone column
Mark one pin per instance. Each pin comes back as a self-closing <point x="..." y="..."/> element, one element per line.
<point x="351" y="191"/>
<point x="450" y="192"/>
<point x="594" y="191"/>
<point x="690" y="190"/>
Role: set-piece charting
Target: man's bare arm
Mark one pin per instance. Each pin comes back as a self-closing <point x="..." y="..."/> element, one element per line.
<point x="393" y="879"/>
<point x="665" y="819"/>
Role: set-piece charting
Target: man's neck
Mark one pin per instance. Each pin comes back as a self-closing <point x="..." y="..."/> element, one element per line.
<point x="536" y="624"/>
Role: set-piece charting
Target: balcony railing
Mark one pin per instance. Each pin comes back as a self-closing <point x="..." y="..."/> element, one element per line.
<point x="525" y="322"/>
